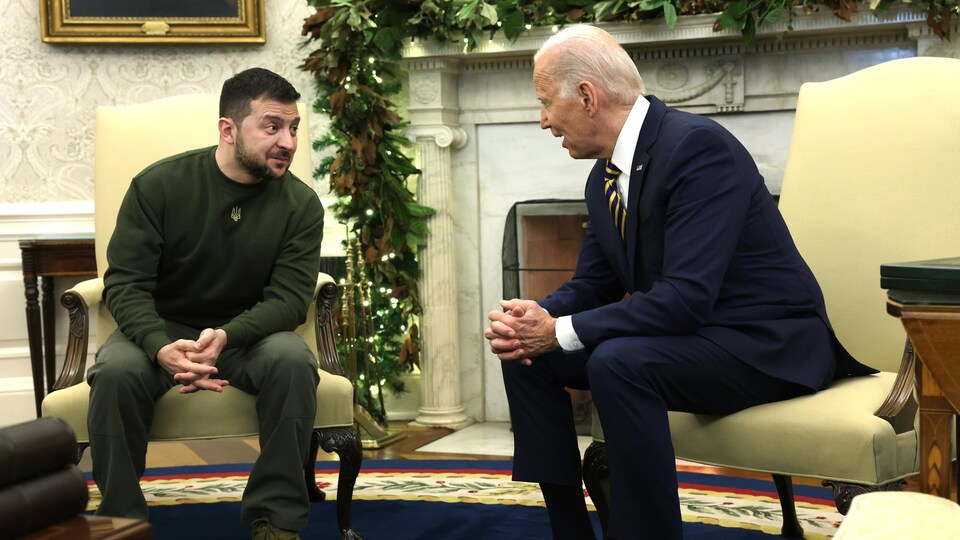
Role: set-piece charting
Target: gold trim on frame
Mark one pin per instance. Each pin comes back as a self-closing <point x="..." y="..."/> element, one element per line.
<point x="57" y="26"/>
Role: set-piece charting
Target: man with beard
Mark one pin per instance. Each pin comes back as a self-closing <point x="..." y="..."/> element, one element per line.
<point x="212" y="265"/>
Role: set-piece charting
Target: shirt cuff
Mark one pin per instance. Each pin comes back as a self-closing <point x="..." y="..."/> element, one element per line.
<point x="567" y="336"/>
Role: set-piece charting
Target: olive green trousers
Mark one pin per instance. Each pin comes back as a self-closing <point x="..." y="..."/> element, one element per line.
<point x="279" y="370"/>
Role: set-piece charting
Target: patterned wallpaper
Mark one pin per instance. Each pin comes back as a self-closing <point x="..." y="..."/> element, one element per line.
<point x="48" y="92"/>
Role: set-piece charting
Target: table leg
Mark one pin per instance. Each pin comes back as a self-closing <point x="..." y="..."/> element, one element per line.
<point x="34" y="336"/>
<point x="936" y="420"/>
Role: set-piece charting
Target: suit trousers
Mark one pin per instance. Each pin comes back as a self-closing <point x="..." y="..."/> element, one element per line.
<point x="634" y="381"/>
<point x="280" y="370"/>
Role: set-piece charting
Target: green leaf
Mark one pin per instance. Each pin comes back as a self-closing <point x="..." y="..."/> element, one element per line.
<point x="670" y="14"/>
<point x="388" y="39"/>
<point x="602" y="9"/>
<point x="724" y="20"/>
<point x="738" y="9"/>
<point x="354" y="20"/>
<point x="465" y="14"/>
<point x="488" y="12"/>
<point x="749" y="30"/>
<point x="647" y="5"/>
<point x="774" y="16"/>
<point x="419" y="210"/>
<point x="419" y="227"/>
<point x="513" y="24"/>
<point x="414" y="242"/>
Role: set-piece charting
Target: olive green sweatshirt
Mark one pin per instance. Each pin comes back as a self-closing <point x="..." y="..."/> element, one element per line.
<point x="194" y="247"/>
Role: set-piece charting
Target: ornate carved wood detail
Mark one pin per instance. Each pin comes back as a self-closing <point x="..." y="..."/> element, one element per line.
<point x="326" y="336"/>
<point x="900" y="406"/>
<point x="936" y="425"/>
<point x="844" y="492"/>
<point x="78" y="336"/>
<point x="596" y="478"/>
<point x="80" y="448"/>
<point x="345" y="441"/>
<point x="791" y="525"/>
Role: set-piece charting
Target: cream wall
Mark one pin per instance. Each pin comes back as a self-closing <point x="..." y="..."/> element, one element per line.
<point x="47" y="98"/>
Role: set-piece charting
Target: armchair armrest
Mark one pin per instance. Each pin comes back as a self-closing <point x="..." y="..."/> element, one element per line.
<point x="900" y="406"/>
<point x="86" y="295"/>
<point x="78" y="301"/>
<point x="325" y="300"/>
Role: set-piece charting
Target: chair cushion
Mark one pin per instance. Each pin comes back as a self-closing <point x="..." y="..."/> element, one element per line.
<point x="210" y="415"/>
<point x="900" y="516"/>
<point x="832" y="434"/>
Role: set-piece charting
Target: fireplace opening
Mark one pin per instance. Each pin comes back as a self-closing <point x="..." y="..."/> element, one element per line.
<point x="541" y="242"/>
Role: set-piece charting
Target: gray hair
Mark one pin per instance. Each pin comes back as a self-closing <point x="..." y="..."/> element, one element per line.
<point x="590" y="53"/>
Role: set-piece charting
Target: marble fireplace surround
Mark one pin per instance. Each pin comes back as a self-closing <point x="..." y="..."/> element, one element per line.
<point x="475" y="119"/>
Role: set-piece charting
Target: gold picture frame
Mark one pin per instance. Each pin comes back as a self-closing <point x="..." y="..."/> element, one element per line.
<point x="153" y="21"/>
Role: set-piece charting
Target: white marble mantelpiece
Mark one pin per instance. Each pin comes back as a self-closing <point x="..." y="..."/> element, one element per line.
<point x="486" y="98"/>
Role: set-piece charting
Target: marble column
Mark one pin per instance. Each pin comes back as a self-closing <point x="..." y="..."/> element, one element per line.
<point x="929" y="44"/>
<point x="434" y="127"/>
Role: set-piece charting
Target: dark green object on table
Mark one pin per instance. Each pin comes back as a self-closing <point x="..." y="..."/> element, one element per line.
<point x="930" y="282"/>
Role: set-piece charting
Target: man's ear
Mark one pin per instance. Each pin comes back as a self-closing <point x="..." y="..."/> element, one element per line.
<point x="587" y="96"/>
<point x="227" y="130"/>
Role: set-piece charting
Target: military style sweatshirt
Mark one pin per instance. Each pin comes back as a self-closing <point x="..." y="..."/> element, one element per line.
<point x="194" y="247"/>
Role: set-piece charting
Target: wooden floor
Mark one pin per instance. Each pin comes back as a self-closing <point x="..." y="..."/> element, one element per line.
<point x="246" y="450"/>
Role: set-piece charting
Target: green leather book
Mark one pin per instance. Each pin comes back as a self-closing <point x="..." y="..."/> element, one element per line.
<point x="935" y="281"/>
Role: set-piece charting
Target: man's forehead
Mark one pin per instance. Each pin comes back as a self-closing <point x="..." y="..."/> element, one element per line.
<point x="263" y="108"/>
<point x="541" y="80"/>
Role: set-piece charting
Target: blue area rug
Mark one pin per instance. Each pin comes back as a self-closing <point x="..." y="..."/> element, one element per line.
<point x="453" y="500"/>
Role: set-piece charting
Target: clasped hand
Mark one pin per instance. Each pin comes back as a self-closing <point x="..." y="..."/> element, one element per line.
<point x="521" y="332"/>
<point x="192" y="363"/>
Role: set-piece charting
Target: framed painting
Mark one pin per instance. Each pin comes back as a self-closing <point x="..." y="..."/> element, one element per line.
<point x="152" y="21"/>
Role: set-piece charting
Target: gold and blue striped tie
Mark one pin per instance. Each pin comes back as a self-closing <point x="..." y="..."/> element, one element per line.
<point x="617" y="210"/>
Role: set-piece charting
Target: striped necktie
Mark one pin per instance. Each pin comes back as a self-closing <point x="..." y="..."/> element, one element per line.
<point x="617" y="210"/>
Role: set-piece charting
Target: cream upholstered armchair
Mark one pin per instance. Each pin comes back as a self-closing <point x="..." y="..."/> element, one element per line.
<point x="871" y="178"/>
<point x="128" y="138"/>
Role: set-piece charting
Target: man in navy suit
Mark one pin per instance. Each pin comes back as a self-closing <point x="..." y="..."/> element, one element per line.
<point x="689" y="295"/>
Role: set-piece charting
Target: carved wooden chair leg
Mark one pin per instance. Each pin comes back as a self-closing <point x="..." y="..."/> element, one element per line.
<point x="844" y="492"/>
<point x="791" y="525"/>
<point x="80" y="449"/>
<point x="314" y="493"/>
<point x="596" y="477"/>
<point x="345" y="441"/>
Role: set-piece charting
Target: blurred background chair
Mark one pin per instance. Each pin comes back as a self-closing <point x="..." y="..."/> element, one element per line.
<point x="127" y="139"/>
<point x="871" y="178"/>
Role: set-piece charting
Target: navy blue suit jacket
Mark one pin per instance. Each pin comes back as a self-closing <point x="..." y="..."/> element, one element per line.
<point x="706" y="253"/>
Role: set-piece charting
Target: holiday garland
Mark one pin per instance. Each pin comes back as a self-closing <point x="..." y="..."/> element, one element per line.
<point x="356" y="64"/>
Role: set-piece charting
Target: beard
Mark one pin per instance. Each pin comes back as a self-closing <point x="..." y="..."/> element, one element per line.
<point x="257" y="167"/>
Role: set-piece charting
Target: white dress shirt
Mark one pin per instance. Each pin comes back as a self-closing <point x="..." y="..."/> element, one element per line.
<point x="623" y="159"/>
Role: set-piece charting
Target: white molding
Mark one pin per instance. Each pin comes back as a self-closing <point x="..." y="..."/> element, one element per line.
<point x="16" y="385"/>
<point x="65" y="219"/>
<point x="689" y="28"/>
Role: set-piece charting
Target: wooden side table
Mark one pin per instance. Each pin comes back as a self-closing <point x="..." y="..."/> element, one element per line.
<point x="925" y="296"/>
<point x="47" y="259"/>
<point x="95" y="528"/>
<point x="934" y="331"/>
